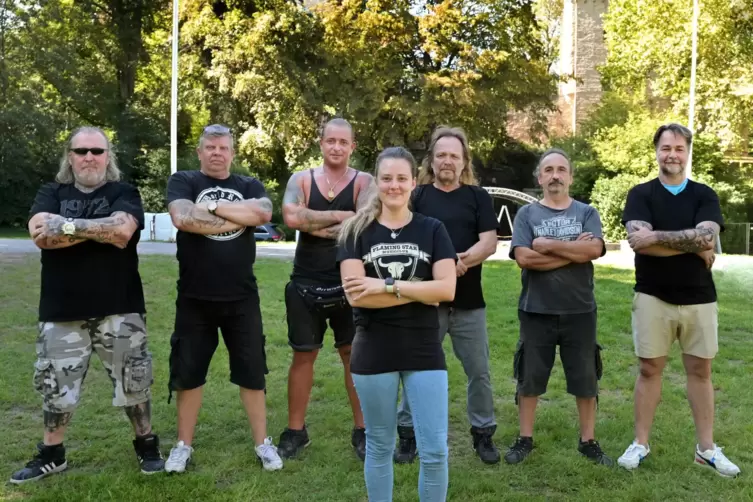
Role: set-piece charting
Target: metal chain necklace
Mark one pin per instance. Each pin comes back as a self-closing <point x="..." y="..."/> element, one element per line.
<point x="395" y="234"/>
<point x="331" y="193"/>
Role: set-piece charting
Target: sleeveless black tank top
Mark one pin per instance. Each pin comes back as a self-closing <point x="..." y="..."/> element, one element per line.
<point x="316" y="257"/>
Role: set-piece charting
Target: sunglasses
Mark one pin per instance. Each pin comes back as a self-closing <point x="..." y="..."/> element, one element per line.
<point x="217" y="129"/>
<point x="84" y="151"/>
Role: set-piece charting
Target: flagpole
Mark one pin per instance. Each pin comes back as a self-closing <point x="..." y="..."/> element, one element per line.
<point x="174" y="103"/>
<point x="691" y="104"/>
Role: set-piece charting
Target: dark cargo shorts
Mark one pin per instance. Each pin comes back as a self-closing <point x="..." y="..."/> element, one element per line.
<point x="580" y="354"/>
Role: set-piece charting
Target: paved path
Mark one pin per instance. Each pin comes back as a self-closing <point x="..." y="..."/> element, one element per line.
<point x="286" y="251"/>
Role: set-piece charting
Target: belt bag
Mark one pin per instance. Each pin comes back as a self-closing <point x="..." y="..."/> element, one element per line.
<point x="322" y="297"/>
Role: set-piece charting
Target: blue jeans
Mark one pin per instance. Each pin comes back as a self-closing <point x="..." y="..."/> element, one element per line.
<point x="426" y="391"/>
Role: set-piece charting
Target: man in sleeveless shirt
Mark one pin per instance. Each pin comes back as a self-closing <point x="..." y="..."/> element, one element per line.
<point x="316" y="202"/>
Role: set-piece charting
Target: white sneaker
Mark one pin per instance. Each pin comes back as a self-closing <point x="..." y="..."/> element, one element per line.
<point x="716" y="460"/>
<point x="268" y="455"/>
<point x="633" y="456"/>
<point x="180" y="455"/>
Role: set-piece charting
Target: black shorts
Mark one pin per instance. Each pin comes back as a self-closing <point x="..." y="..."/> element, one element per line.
<point x="307" y="315"/>
<point x="580" y="354"/>
<point x="195" y="339"/>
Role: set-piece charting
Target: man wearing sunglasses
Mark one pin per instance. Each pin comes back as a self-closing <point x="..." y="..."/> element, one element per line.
<point x="91" y="298"/>
<point x="213" y="209"/>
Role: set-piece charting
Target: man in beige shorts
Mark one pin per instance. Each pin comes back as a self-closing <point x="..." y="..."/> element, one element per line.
<point x="87" y="226"/>
<point x="672" y="225"/>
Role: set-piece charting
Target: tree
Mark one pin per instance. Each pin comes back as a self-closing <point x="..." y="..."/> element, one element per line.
<point x="649" y="55"/>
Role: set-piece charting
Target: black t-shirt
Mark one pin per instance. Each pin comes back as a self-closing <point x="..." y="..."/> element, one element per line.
<point x="90" y="279"/>
<point x="215" y="267"/>
<point x="466" y="212"/>
<point x="404" y="337"/>
<point x="682" y="279"/>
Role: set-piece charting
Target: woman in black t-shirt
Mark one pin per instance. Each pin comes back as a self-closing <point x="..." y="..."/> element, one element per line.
<point x="397" y="266"/>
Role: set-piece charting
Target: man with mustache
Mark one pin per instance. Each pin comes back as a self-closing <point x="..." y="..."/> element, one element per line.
<point x="672" y="225"/>
<point x="87" y="225"/>
<point x="554" y="242"/>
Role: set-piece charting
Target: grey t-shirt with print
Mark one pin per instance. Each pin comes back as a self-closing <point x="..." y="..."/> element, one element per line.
<point x="568" y="289"/>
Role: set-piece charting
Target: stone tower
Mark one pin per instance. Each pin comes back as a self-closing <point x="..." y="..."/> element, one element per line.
<point x="582" y="51"/>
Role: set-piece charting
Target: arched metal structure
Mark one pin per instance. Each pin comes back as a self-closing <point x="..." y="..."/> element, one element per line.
<point x="511" y="195"/>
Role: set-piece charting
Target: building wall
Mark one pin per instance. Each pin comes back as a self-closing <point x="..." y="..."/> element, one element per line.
<point x="582" y="51"/>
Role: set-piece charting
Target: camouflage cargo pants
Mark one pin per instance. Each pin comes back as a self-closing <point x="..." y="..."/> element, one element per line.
<point x="64" y="349"/>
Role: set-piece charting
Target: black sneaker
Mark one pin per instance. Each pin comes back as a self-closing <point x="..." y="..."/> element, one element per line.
<point x="406" y="448"/>
<point x="147" y="451"/>
<point x="484" y="445"/>
<point x="592" y="451"/>
<point x="292" y="442"/>
<point x="358" y="440"/>
<point x="48" y="460"/>
<point x="519" y="450"/>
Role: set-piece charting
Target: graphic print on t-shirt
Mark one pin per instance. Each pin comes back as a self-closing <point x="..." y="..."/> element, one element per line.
<point x="398" y="260"/>
<point x="219" y="193"/>
<point x="560" y="227"/>
<point x="87" y="208"/>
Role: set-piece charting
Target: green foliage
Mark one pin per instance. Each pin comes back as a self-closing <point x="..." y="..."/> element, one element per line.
<point x="649" y="56"/>
<point x="608" y="197"/>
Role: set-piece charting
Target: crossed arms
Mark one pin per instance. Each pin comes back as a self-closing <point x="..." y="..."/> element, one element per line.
<point x="324" y="224"/>
<point x="699" y="240"/>
<point x="549" y="254"/>
<point x="368" y="292"/>
<point x="229" y="216"/>
<point x="47" y="230"/>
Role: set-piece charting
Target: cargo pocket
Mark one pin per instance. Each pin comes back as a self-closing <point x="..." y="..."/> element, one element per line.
<point x="137" y="373"/>
<point x="599" y="365"/>
<point x="45" y="379"/>
<point x="517" y="369"/>
<point x="517" y="363"/>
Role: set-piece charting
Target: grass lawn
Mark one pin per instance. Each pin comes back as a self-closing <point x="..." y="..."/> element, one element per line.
<point x="102" y="464"/>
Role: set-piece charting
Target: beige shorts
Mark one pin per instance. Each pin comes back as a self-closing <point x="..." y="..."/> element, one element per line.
<point x="657" y="324"/>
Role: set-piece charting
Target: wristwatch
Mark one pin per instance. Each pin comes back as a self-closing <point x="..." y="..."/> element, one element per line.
<point x="212" y="207"/>
<point x="389" y="284"/>
<point x="69" y="227"/>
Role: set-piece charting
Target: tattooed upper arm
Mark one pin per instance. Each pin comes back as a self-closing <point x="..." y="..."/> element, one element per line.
<point x="264" y="204"/>
<point x="635" y="225"/>
<point x="368" y="188"/>
<point x="294" y="191"/>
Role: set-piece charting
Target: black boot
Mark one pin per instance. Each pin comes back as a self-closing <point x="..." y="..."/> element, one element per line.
<point x="406" y="449"/>
<point x="147" y="451"/>
<point x="484" y="445"/>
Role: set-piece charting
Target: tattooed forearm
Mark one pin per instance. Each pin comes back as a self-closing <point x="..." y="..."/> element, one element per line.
<point x="635" y="225"/>
<point x="55" y="421"/>
<point x="110" y="230"/>
<point x="688" y="241"/>
<point x="193" y="218"/>
<point x="141" y="418"/>
<point x="330" y="232"/>
<point x="247" y="213"/>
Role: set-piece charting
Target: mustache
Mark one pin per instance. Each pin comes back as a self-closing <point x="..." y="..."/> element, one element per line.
<point x="555" y="182"/>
